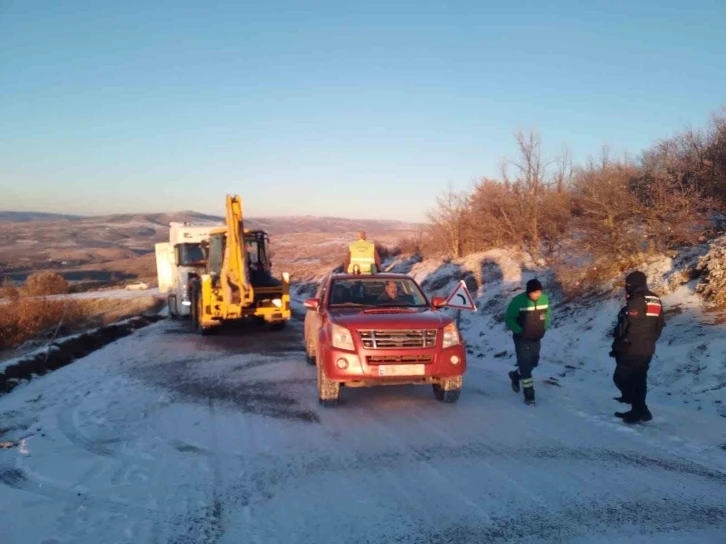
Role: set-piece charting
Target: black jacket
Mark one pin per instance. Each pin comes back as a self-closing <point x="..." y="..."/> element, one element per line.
<point x="640" y="324"/>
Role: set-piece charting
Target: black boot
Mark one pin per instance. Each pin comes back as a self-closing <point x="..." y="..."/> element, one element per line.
<point x="637" y="416"/>
<point x="622" y="399"/>
<point x="632" y="417"/>
<point x="514" y="376"/>
<point x="623" y="415"/>
<point x="529" y="396"/>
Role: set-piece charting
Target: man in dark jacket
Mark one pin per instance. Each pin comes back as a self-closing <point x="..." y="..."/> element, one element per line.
<point x="528" y="317"/>
<point x="640" y="324"/>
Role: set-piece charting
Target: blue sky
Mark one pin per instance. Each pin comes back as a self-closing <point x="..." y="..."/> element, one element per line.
<point x="358" y="109"/>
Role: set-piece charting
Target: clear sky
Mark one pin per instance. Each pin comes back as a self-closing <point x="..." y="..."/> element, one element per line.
<point x="363" y="109"/>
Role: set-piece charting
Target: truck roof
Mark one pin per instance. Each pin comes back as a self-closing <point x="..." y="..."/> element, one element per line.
<point x="379" y="276"/>
<point x="180" y="233"/>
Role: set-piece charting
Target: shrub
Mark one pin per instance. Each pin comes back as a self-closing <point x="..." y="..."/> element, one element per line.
<point x="26" y="318"/>
<point x="712" y="267"/>
<point x="9" y="290"/>
<point x="45" y="283"/>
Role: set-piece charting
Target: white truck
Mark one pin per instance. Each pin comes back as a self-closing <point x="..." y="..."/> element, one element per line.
<point x="179" y="261"/>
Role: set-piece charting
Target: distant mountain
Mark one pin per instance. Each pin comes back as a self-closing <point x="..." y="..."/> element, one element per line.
<point x="160" y="219"/>
<point x="330" y="225"/>
<point x="29" y="239"/>
<point x="25" y="217"/>
<point x="274" y="225"/>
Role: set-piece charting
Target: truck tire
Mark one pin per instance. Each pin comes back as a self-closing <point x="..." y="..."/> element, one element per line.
<point x="328" y="390"/>
<point x="280" y="325"/>
<point x="309" y="353"/>
<point x="171" y="303"/>
<point x="193" y="308"/>
<point x="448" y="391"/>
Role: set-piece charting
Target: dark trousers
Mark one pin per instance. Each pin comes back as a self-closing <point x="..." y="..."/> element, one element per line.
<point x="527" y="358"/>
<point x="631" y="377"/>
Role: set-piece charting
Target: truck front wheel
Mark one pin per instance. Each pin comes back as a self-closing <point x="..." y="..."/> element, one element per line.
<point x="171" y="303"/>
<point x="328" y="390"/>
<point x="448" y="390"/>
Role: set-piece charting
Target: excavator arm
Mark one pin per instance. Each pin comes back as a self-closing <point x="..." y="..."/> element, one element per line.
<point x="235" y="271"/>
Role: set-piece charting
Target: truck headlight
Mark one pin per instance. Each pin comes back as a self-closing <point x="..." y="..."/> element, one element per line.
<point x="342" y="339"/>
<point x="451" y="336"/>
<point x="277" y="302"/>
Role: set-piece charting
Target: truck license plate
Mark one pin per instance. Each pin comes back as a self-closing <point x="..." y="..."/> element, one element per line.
<point x="401" y="370"/>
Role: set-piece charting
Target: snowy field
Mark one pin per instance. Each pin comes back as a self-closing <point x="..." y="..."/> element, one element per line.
<point x="167" y="437"/>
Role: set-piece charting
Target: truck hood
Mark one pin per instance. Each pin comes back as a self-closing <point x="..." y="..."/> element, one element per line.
<point x="389" y="318"/>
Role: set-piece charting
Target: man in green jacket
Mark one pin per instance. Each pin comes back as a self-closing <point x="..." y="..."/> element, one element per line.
<point x="528" y="317"/>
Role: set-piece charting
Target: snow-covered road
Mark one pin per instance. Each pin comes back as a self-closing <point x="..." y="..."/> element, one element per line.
<point x="167" y="437"/>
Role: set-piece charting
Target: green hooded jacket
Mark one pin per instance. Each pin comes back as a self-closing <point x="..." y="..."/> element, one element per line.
<point x="527" y="319"/>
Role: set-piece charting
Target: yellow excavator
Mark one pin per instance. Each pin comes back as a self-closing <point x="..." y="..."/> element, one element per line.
<point x="237" y="279"/>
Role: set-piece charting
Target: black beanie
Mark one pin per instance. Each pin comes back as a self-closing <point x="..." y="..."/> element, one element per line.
<point x="634" y="281"/>
<point x="533" y="285"/>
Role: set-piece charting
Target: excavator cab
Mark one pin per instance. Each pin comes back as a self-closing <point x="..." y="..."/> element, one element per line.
<point x="258" y="259"/>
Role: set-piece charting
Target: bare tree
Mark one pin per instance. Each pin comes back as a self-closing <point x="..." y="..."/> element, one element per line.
<point x="563" y="175"/>
<point x="495" y="213"/>
<point x="605" y="206"/>
<point x="530" y="184"/>
<point x="674" y="205"/>
<point x="607" y="209"/>
<point x="449" y="220"/>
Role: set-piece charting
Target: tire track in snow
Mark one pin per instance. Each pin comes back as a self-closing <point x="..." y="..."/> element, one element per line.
<point x="205" y="525"/>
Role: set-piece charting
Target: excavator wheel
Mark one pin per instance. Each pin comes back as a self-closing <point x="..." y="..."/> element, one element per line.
<point x="196" y="312"/>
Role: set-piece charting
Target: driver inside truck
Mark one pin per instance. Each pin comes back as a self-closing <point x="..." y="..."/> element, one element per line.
<point x="391" y="294"/>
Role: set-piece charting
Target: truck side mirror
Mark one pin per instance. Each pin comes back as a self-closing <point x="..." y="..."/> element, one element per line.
<point x="438" y="302"/>
<point x="312" y="304"/>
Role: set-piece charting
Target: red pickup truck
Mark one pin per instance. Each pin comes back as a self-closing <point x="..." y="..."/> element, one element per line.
<point x="369" y="330"/>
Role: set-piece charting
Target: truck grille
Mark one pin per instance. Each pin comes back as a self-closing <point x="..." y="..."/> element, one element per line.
<point x="398" y="338"/>
<point x="399" y="359"/>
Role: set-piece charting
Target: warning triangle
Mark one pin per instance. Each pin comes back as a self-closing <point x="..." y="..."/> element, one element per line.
<point x="461" y="299"/>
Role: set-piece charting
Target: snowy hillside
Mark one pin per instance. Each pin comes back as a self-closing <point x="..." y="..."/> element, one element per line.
<point x="689" y="368"/>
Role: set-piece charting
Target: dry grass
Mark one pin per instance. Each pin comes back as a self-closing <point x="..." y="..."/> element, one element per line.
<point x="106" y="311"/>
<point x="27" y="319"/>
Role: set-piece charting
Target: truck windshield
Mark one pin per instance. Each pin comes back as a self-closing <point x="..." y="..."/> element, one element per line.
<point x="190" y="254"/>
<point x="376" y="292"/>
